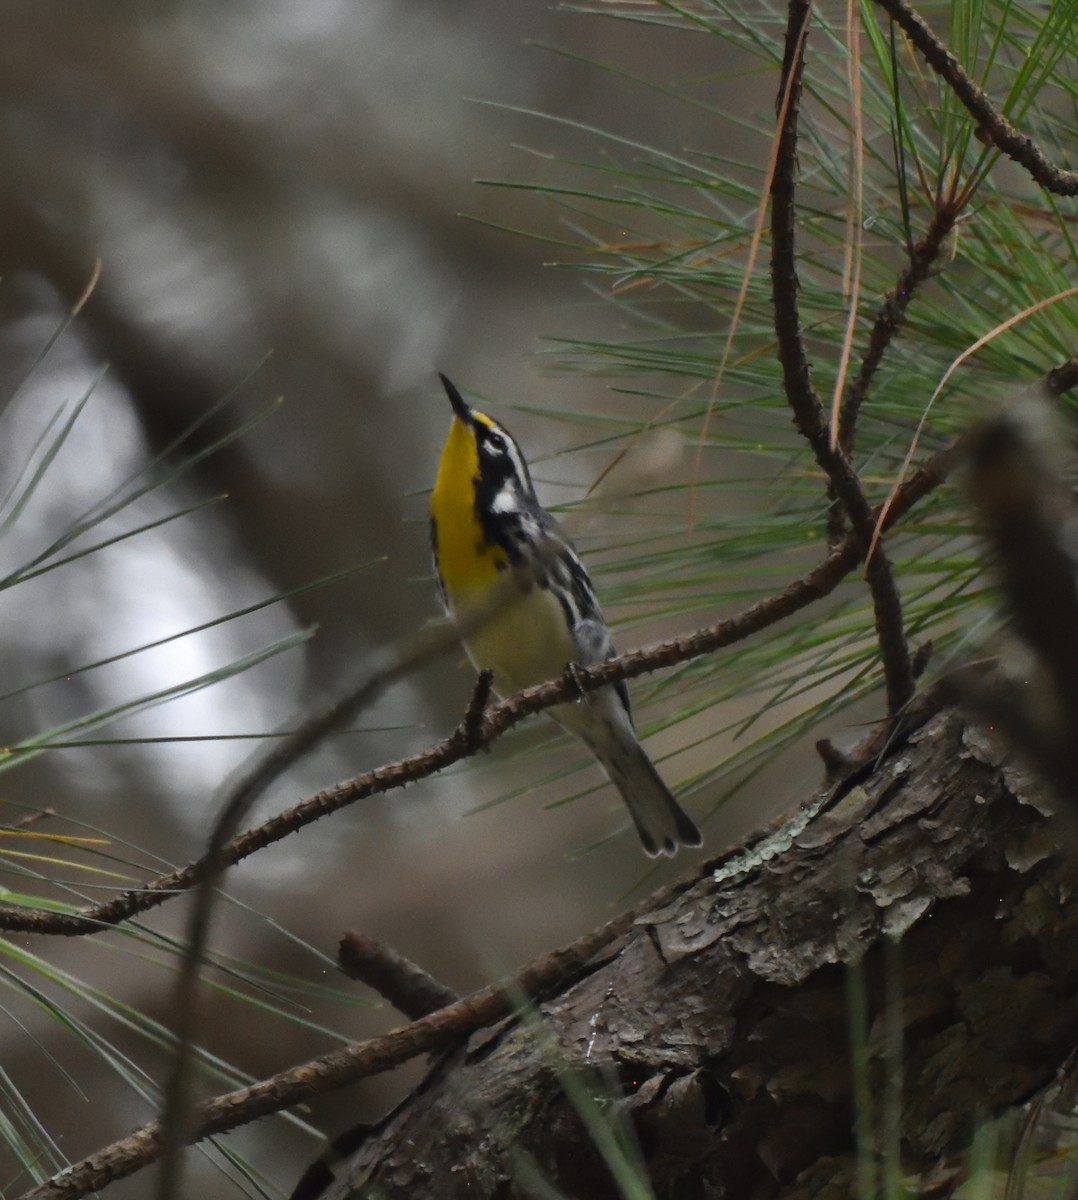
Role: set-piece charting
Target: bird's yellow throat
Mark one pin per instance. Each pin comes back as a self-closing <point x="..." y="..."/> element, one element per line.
<point x="466" y="562"/>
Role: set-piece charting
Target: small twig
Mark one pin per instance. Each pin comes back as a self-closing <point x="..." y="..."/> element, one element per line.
<point x="891" y="315"/>
<point x="410" y="989"/>
<point x="29" y="819"/>
<point x="471" y="728"/>
<point x="1062" y="378"/>
<point x="797" y="374"/>
<point x="891" y="634"/>
<point x="497" y="719"/>
<point x="992" y="125"/>
<point x="836" y="762"/>
<point x="922" y="656"/>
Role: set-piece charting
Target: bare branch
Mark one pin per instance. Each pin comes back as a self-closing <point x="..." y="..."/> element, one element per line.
<point x="410" y="989"/>
<point x="892" y="314"/>
<point x="992" y="125"/>
<point x="797" y="374"/>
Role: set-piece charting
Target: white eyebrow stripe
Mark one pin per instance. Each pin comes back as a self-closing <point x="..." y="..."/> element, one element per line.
<point x="497" y="443"/>
<point x="517" y="459"/>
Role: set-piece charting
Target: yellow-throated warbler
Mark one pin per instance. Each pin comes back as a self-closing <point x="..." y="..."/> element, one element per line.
<point x="525" y="607"/>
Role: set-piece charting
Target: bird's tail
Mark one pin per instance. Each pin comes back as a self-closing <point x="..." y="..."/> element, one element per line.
<point x="661" y="822"/>
<point x="603" y="724"/>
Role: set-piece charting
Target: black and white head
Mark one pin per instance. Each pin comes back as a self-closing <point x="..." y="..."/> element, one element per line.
<point x="504" y="480"/>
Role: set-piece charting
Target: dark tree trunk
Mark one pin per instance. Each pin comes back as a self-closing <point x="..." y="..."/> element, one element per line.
<point x="934" y="897"/>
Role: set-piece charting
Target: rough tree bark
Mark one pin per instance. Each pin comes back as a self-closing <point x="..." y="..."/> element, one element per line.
<point x="719" y="1029"/>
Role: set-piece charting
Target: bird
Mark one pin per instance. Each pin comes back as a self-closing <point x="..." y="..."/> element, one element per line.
<point x="525" y="609"/>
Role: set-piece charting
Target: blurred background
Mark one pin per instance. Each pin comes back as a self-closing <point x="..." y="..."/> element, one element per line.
<point x="277" y="206"/>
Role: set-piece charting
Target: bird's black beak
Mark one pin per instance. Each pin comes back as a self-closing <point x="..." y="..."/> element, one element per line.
<point x="457" y="400"/>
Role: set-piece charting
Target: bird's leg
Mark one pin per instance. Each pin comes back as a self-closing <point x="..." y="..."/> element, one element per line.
<point x="573" y="675"/>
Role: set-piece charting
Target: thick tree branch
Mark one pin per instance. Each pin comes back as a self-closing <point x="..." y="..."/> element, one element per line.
<point x="340" y="1067"/>
<point x="935" y="894"/>
<point x="991" y="123"/>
